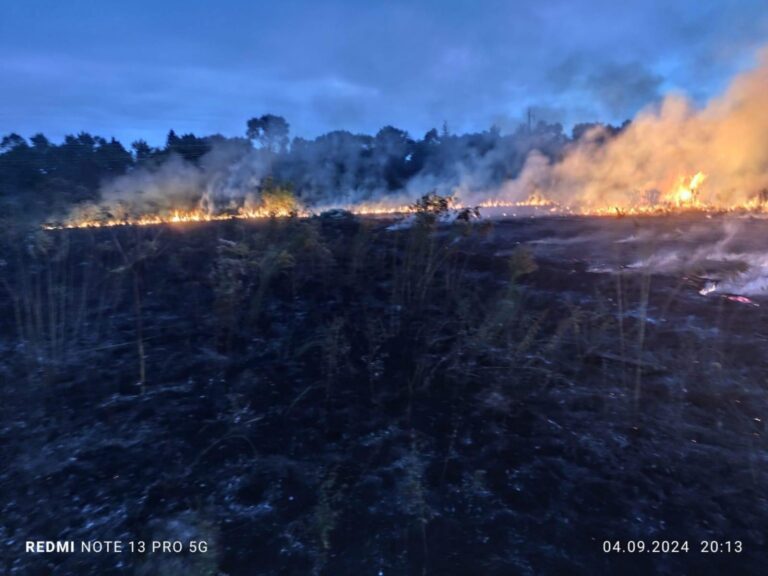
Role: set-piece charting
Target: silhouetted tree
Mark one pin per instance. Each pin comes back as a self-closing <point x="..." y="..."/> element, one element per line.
<point x="43" y="177"/>
<point x="188" y="146"/>
<point x="142" y="150"/>
<point x="10" y="142"/>
<point x="270" y="131"/>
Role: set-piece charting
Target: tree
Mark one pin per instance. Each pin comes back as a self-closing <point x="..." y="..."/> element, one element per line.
<point x="432" y="137"/>
<point x="142" y="150"/>
<point x="271" y="132"/>
<point x="188" y="146"/>
<point x="394" y="150"/>
<point x="11" y="141"/>
<point x="112" y="159"/>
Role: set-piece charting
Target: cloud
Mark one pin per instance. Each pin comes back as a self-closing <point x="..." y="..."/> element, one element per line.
<point x="141" y="68"/>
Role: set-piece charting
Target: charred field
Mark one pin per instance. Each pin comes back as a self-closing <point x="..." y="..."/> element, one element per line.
<point x="329" y="396"/>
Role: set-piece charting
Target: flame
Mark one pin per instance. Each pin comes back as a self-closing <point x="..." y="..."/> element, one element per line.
<point x="643" y="170"/>
<point x="535" y="200"/>
<point x="379" y="208"/>
<point x="682" y="196"/>
<point x="686" y="192"/>
<point x="172" y="217"/>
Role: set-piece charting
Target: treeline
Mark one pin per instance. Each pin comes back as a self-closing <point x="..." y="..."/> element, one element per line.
<point x="39" y="177"/>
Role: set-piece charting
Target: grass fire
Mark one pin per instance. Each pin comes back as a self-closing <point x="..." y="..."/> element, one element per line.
<point x="508" y="340"/>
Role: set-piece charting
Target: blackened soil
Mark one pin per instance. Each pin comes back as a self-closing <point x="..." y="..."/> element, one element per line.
<point x="329" y="397"/>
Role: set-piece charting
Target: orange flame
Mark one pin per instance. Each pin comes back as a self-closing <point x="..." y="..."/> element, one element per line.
<point x="683" y="196"/>
<point x="686" y="192"/>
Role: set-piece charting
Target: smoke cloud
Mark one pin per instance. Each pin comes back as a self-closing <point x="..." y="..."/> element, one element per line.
<point x="599" y="168"/>
<point x="727" y="140"/>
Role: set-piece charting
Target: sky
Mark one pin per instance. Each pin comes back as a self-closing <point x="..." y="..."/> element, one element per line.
<point x="139" y="68"/>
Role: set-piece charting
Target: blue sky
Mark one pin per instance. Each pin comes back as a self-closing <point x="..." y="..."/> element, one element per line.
<point x="138" y="68"/>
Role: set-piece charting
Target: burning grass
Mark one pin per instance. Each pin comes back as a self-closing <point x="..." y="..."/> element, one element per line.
<point x="683" y="197"/>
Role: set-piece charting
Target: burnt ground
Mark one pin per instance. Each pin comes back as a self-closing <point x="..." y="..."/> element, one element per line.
<point x="328" y="397"/>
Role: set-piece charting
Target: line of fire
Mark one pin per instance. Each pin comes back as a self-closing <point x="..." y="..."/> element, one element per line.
<point x="384" y="288"/>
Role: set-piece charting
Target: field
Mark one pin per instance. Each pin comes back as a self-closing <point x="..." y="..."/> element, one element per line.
<point x="330" y="396"/>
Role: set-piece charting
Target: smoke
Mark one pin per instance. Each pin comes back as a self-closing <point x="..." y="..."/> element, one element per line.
<point x="228" y="175"/>
<point x="338" y="169"/>
<point x="601" y="167"/>
<point x="729" y="253"/>
<point x="727" y="139"/>
<point x="173" y="184"/>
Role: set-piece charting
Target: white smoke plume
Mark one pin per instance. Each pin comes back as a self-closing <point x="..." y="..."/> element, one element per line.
<point x="727" y="140"/>
<point x="230" y="173"/>
<point x="637" y="166"/>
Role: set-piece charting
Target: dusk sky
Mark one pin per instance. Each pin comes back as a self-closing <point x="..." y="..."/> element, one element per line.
<point x="136" y="69"/>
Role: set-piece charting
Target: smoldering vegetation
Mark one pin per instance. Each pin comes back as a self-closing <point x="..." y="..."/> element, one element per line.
<point x="338" y="169"/>
<point x="329" y="396"/>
